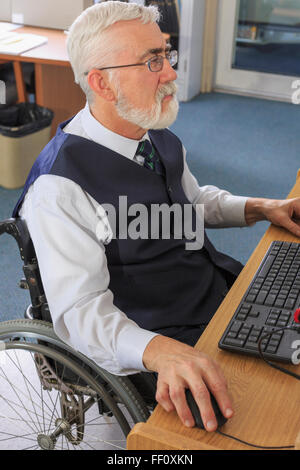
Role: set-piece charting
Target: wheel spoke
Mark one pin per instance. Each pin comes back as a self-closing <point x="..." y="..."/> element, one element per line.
<point x="26" y="385"/>
<point x="29" y="382"/>
<point x="51" y="412"/>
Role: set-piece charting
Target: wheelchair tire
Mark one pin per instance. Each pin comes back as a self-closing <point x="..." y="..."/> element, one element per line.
<point x="42" y="406"/>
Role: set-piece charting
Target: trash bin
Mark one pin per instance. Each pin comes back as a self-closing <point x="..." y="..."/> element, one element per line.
<point x="24" y="132"/>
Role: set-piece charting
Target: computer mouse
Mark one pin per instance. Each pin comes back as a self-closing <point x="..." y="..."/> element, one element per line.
<point x="196" y="412"/>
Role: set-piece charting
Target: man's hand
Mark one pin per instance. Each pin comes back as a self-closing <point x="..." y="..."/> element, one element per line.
<point x="283" y="213"/>
<point x="179" y="367"/>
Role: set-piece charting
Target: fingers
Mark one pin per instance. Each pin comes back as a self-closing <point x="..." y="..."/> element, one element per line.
<point x="177" y="395"/>
<point x="291" y="226"/>
<point x="202" y="398"/>
<point x="162" y="396"/>
<point x="295" y="207"/>
<point x="285" y="214"/>
<point x="215" y="384"/>
<point x="201" y="376"/>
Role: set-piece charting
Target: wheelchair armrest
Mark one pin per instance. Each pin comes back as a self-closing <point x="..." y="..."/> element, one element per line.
<point x="18" y="229"/>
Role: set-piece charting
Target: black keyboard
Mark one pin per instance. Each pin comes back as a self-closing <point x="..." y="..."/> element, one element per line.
<point x="267" y="306"/>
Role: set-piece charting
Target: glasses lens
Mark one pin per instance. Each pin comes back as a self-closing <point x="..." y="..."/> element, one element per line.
<point x="172" y="58"/>
<point x="156" y="63"/>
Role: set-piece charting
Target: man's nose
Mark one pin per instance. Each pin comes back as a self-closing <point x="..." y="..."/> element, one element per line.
<point x="168" y="74"/>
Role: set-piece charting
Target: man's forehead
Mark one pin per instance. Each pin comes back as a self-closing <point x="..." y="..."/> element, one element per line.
<point x="136" y="38"/>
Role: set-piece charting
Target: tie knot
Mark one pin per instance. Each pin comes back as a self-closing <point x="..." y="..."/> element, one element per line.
<point x="151" y="159"/>
<point x="145" y="149"/>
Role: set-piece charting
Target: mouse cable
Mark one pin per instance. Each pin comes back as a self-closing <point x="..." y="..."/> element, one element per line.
<point x="253" y="445"/>
<point x="276" y="366"/>
<point x="282" y="369"/>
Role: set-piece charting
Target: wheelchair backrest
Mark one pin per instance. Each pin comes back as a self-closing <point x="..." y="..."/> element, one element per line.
<point x="18" y="229"/>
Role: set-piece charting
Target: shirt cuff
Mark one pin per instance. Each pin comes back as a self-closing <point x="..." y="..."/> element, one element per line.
<point x="232" y="209"/>
<point x="132" y="342"/>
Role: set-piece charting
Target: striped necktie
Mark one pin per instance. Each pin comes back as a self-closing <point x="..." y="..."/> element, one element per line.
<point x="151" y="159"/>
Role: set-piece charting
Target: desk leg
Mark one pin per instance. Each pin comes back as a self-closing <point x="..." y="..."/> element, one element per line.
<point x="21" y="88"/>
<point x="55" y="89"/>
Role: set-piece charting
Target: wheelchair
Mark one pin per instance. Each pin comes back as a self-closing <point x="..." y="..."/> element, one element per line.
<point x="52" y="397"/>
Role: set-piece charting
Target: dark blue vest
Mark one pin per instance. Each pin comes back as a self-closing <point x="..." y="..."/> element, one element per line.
<point x="157" y="283"/>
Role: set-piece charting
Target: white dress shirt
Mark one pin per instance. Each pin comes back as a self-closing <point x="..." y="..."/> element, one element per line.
<point x="63" y="220"/>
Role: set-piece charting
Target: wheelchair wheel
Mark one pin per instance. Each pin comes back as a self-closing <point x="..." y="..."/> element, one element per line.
<point x="52" y="397"/>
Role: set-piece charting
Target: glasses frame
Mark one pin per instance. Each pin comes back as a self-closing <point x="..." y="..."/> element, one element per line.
<point x="172" y="58"/>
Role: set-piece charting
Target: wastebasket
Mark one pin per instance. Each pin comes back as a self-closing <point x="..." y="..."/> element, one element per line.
<point x="24" y="132"/>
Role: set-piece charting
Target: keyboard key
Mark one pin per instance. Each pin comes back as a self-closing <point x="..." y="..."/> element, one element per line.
<point x="251" y="345"/>
<point x="241" y="316"/>
<point x="242" y="336"/>
<point x="271" y="321"/>
<point x="253" y="339"/>
<point x="254" y="312"/>
<point x="290" y="303"/>
<point x="235" y="327"/>
<point x="234" y="342"/>
<point x="285" y="316"/>
<point x="231" y="334"/>
<point x="266" y="266"/>
<point x="260" y="299"/>
<point x="273" y="342"/>
<point x="271" y="349"/>
<point x="282" y="323"/>
<point x="270" y="300"/>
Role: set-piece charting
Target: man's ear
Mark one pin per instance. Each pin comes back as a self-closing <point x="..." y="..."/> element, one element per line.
<point x="100" y="85"/>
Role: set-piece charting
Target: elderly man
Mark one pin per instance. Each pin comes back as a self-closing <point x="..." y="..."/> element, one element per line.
<point x="132" y="303"/>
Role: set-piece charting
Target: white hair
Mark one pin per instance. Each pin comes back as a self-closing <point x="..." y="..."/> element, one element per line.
<point x="87" y="44"/>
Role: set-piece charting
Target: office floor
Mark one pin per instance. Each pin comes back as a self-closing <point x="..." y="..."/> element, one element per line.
<point x="245" y="145"/>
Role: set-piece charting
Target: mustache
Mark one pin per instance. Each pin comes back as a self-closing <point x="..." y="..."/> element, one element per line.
<point x="165" y="90"/>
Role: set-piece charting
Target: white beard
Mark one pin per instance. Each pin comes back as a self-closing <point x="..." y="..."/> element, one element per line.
<point x="154" y="118"/>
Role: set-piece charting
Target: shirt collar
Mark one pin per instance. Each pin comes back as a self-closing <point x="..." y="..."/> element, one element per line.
<point x="103" y="136"/>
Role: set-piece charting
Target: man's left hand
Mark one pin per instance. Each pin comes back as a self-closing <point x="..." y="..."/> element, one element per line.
<point x="283" y="213"/>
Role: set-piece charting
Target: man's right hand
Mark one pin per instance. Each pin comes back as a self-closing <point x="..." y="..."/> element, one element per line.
<point x="179" y="367"/>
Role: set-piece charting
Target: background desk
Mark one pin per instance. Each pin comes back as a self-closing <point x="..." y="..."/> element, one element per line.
<point x="266" y="401"/>
<point x="54" y="80"/>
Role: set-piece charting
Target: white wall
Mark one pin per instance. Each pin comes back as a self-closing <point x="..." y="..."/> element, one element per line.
<point x="190" y="48"/>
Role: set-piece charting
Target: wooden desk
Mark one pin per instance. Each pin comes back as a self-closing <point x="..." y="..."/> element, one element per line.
<point x="266" y="401"/>
<point x="54" y="80"/>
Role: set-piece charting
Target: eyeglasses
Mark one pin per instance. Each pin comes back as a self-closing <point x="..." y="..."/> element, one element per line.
<point x="155" y="64"/>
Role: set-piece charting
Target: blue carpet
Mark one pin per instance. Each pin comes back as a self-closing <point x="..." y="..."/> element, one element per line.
<point x="248" y="146"/>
